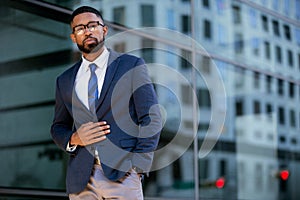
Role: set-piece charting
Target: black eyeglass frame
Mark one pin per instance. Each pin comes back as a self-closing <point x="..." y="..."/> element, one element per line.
<point x="86" y="26"/>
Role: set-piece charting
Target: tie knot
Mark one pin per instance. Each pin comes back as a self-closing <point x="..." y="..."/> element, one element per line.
<point x="93" y="67"/>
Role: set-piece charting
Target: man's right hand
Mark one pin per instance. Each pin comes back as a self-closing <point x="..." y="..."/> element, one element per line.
<point x="90" y="133"/>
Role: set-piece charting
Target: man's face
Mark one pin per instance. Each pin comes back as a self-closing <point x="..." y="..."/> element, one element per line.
<point x="88" y="41"/>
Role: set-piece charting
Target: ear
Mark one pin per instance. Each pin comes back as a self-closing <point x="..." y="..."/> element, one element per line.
<point x="73" y="38"/>
<point x="105" y="30"/>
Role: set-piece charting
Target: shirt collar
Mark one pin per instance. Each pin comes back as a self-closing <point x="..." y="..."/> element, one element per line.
<point x="100" y="61"/>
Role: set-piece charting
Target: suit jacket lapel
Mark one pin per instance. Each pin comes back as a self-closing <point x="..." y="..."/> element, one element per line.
<point x="112" y="66"/>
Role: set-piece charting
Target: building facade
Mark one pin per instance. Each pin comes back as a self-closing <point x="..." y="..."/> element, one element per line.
<point x="226" y="74"/>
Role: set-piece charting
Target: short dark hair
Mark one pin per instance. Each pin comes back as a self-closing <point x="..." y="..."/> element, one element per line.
<point x="85" y="9"/>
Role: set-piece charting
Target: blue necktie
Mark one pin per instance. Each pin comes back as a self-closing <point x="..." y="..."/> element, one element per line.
<point x="93" y="88"/>
<point x="92" y="97"/>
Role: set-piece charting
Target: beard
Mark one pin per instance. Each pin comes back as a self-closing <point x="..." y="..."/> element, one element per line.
<point x="90" y="48"/>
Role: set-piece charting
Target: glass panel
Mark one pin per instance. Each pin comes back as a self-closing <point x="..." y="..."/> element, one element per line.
<point x="244" y="138"/>
<point x="34" y="51"/>
<point x="119" y="15"/>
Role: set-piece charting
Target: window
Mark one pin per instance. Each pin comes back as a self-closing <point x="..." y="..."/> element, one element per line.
<point x="294" y="141"/>
<point x="203" y="127"/>
<point x="298" y="60"/>
<point x="223" y="167"/>
<point x="177" y="170"/>
<point x="221" y="6"/>
<point x="188" y="124"/>
<point x="29" y="98"/>
<point x="186" y="94"/>
<point x="269" y="84"/>
<point x="287" y="32"/>
<point x="147" y="13"/>
<point x="269" y="110"/>
<point x="259" y="177"/>
<point x="280" y="87"/>
<point x="297" y="35"/>
<point x="222" y="35"/>
<point x="186" y="57"/>
<point x="5" y="11"/>
<point x="267" y="50"/>
<point x="281" y="117"/>
<point x="239" y="107"/>
<point x="148" y="50"/>
<point x="264" y="2"/>
<point x="278" y="54"/>
<point x="292" y="118"/>
<point x="205" y="66"/>
<point x="186" y="24"/>
<point x="236" y="15"/>
<point x="291" y="90"/>
<point x="238" y="43"/>
<point x="171" y="19"/>
<point x="255" y="46"/>
<point x="287" y="8"/>
<point x="276" y="30"/>
<point x="297" y="10"/>
<point x="239" y="77"/>
<point x="256" y="80"/>
<point x="252" y="17"/>
<point x="203" y="97"/>
<point x="205" y="3"/>
<point x="120" y="47"/>
<point x="257" y="134"/>
<point x="203" y="169"/>
<point x="256" y="106"/>
<point x="282" y="139"/>
<point x="119" y="15"/>
<point x="265" y="24"/>
<point x="242" y="180"/>
<point x="207" y="29"/>
<point x="270" y="136"/>
<point x="275" y="5"/>
<point x="290" y="58"/>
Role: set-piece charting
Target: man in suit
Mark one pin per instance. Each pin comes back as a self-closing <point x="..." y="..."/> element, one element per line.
<point x="106" y="116"/>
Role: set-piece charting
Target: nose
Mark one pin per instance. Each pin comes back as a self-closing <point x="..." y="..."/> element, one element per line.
<point x="87" y="31"/>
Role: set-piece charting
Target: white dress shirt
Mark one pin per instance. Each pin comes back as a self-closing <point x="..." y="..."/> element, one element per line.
<point x="82" y="80"/>
<point x="83" y="76"/>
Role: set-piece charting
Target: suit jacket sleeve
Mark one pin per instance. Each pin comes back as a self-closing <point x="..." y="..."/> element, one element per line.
<point x="149" y="117"/>
<point x="61" y="129"/>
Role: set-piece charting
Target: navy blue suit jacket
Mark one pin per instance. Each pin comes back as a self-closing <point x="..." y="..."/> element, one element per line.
<point x="128" y="103"/>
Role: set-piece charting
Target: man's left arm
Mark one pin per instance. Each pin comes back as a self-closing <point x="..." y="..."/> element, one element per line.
<point x="149" y="118"/>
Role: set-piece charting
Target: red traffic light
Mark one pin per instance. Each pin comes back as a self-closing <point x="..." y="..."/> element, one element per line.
<point x="284" y="174"/>
<point x="220" y="182"/>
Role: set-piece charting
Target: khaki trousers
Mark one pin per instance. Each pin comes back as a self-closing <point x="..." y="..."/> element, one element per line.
<point x="101" y="188"/>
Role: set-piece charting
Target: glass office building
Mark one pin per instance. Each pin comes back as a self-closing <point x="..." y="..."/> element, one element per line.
<point x="227" y="74"/>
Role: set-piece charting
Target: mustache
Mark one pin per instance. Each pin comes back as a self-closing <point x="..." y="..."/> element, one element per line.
<point x="89" y="37"/>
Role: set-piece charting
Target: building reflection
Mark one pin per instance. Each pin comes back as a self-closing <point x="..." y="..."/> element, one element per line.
<point x="244" y="69"/>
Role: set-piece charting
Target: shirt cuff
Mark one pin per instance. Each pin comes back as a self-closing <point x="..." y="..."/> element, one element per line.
<point x="71" y="148"/>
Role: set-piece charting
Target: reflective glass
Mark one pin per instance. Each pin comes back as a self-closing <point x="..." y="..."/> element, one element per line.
<point x="229" y="94"/>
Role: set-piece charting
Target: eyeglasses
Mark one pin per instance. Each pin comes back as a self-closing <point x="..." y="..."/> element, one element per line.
<point x="92" y="26"/>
